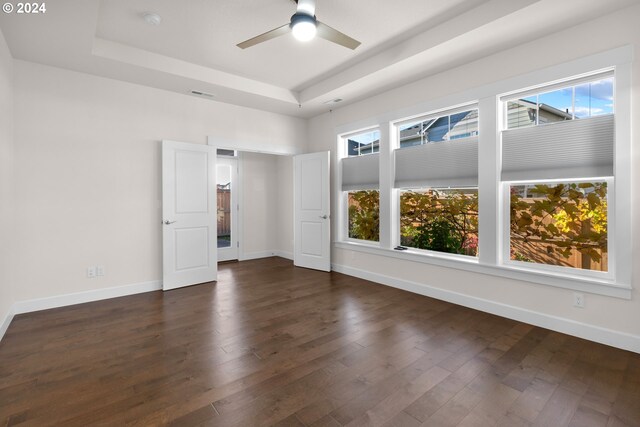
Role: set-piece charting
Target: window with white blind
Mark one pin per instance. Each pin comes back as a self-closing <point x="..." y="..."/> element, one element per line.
<point x="360" y="185"/>
<point x="557" y="172"/>
<point x="436" y="173"/>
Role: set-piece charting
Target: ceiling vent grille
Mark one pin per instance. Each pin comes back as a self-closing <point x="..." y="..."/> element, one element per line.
<point x="200" y="93"/>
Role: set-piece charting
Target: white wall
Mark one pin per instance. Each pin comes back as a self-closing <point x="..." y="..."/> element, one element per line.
<point x="87" y="168"/>
<point x="6" y="181"/>
<point x="267" y="205"/>
<point x="285" y="206"/>
<point x="259" y="207"/>
<point x="602" y="34"/>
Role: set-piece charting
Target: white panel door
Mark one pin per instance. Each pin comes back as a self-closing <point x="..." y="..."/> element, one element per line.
<point x="189" y="253"/>
<point x="312" y="233"/>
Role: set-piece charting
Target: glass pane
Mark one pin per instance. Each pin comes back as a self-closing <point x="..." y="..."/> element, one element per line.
<point x="364" y="215"/>
<point x="414" y="133"/>
<point x="522" y="112"/>
<point x="560" y="224"/>
<point x="555" y="106"/>
<point x="463" y="125"/>
<point x="595" y="98"/>
<point x="442" y="220"/>
<point x="438" y="130"/>
<point x="364" y="143"/>
<point x="223" y="182"/>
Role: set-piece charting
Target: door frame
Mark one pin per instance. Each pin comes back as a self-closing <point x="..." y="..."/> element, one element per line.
<point x="249" y="147"/>
<point x="240" y="149"/>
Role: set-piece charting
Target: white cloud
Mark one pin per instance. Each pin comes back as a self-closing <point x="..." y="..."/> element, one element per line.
<point x="586" y="111"/>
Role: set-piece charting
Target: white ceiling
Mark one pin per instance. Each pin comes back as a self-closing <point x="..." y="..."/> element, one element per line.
<point x="195" y="45"/>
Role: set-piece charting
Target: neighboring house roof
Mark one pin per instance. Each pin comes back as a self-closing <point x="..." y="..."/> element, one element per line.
<point x="565" y="115"/>
<point x="458" y="125"/>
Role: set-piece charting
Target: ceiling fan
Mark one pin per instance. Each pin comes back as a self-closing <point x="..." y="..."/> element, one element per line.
<point x="304" y="26"/>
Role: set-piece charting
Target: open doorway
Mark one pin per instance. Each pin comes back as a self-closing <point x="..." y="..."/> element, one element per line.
<point x="264" y="214"/>
<point x="227" y="205"/>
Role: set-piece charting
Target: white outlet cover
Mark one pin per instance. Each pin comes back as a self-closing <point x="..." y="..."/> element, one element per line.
<point x="578" y="300"/>
<point x="100" y="270"/>
<point x="91" y="272"/>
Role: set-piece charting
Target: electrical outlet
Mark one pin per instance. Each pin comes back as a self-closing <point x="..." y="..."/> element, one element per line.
<point x="100" y="270"/>
<point x="578" y="300"/>
<point x="91" y="272"/>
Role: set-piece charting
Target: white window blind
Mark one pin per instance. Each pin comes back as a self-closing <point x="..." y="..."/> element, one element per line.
<point x="450" y="163"/>
<point x="572" y="149"/>
<point x="360" y="172"/>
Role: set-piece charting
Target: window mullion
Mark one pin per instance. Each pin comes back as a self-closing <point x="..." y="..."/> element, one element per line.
<point x="621" y="239"/>
<point x="388" y="211"/>
<point x="488" y="182"/>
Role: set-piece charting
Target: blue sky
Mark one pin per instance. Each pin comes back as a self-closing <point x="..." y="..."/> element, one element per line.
<point x="366" y="138"/>
<point x="592" y="99"/>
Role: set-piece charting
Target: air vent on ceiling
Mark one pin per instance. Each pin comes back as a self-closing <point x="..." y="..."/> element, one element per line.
<point x="199" y="93"/>
<point x="333" y="101"/>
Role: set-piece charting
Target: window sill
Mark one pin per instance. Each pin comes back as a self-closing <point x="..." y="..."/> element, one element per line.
<point x="582" y="284"/>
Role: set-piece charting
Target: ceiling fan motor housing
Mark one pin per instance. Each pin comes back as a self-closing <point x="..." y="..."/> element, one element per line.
<point x="298" y="18"/>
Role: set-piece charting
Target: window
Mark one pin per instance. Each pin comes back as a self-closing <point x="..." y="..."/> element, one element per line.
<point x="563" y="224"/>
<point x="360" y="185"/>
<point x="436" y="173"/>
<point x="363" y="143"/>
<point x="461" y="124"/>
<point x="364" y="215"/>
<point x="442" y="220"/>
<point x="557" y="178"/>
<point x="579" y="100"/>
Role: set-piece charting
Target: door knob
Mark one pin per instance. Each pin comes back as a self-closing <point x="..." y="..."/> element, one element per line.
<point x="324" y="216"/>
<point x="167" y="222"/>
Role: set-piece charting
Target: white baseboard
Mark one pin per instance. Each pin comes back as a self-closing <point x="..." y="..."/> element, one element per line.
<point x="265" y="254"/>
<point x="284" y="254"/>
<point x="610" y="337"/>
<point x="86" y="296"/>
<point x="246" y="256"/>
<point x="6" y="322"/>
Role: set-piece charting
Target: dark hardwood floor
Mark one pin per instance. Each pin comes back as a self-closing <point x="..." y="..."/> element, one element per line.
<point x="270" y="344"/>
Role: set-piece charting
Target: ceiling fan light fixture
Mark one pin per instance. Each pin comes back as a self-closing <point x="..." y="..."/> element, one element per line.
<point x="303" y="27"/>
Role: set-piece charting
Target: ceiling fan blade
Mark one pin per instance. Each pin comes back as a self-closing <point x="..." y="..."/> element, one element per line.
<point x="277" y="32"/>
<point x="307" y="7"/>
<point x="333" y="35"/>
